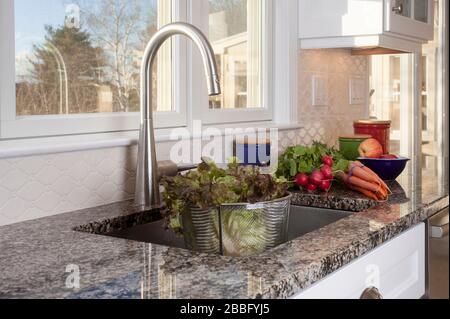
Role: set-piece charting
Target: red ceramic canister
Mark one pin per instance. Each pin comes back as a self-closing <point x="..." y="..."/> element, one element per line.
<point x="379" y="130"/>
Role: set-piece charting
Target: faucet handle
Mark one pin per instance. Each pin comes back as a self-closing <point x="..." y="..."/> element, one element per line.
<point x="169" y="168"/>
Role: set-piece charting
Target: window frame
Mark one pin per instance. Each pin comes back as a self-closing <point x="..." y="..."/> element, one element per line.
<point x="199" y="14"/>
<point x="13" y="126"/>
<point x="189" y="86"/>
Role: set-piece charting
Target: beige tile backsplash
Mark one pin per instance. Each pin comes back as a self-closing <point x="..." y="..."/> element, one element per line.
<point x="40" y="186"/>
<point x="326" y="123"/>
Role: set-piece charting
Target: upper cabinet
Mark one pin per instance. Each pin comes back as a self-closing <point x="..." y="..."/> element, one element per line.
<point x="410" y="18"/>
<point x="396" y="25"/>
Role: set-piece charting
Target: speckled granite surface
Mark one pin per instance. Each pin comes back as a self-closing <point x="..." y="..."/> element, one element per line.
<point x="34" y="255"/>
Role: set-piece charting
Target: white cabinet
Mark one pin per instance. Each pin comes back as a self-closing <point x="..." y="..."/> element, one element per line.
<point x="396" y="269"/>
<point x="410" y="18"/>
<point x="402" y="25"/>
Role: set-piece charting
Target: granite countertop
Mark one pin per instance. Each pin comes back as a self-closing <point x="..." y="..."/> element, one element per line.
<point x="38" y="258"/>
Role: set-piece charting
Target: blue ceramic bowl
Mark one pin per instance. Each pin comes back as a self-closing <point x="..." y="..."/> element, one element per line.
<point x="387" y="169"/>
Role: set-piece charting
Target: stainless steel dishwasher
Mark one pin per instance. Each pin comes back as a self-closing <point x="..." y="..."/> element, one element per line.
<point x="438" y="256"/>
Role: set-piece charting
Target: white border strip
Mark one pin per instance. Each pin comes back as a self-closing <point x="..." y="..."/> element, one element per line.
<point x="76" y="143"/>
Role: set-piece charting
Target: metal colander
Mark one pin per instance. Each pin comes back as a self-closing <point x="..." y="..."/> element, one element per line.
<point x="237" y="229"/>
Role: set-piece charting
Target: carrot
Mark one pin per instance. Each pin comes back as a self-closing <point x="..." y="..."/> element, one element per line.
<point x="369" y="171"/>
<point x="373" y="173"/>
<point x="384" y="193"/>
<point x="364" y="175"/>
<point x="353" y="181"/>
<point x="356" y="181"/>
<point x="366" y="192"/>
<point x="373" y="189"/>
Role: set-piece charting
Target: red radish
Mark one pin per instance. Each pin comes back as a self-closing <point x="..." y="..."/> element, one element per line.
<point x="327" y="160"/>
<point x="316" y="177"/>
<point x="311" y="188"/>
<point x="327" y="172"/>
<point x="325" y="186"/>
<point x="302" y="180"/>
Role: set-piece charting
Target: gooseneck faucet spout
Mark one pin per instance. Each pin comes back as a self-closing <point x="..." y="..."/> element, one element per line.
<point x="147" y="194"/>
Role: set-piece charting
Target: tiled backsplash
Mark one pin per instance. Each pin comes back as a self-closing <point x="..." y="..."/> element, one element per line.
<point x="338" y="66"/>
<point x="40" y="186"/>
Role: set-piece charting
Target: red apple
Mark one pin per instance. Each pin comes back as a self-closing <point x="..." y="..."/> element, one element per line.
<point x="389" y="156"/>
<point x="371" y="148"/>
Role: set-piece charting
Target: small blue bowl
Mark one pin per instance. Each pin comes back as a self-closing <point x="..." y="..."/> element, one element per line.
<point x="387" y="169"/>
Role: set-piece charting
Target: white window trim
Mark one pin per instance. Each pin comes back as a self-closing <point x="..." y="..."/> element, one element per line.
<point x="12" y="126"/>
<point x="279" y="75"/>
<point x="199" y="13"/>
<point x="283" y="89"/>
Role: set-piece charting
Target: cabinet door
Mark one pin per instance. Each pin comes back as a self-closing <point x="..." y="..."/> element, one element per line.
<point x="411" y="18"/>
<point x="396" y="269"/>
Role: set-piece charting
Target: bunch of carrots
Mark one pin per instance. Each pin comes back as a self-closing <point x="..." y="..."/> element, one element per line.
<point x="362" y="179"/>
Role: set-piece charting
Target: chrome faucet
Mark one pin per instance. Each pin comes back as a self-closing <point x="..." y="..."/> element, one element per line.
<point x="148" y="175"/>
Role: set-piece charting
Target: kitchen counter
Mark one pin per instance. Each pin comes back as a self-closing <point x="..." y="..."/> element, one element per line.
<point x="35" y="255"/>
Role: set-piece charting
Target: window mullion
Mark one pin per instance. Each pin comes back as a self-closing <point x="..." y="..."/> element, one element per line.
<point x="7" y="64"/>
<point x="164" y="62"/>
<point x="198" y="94"/>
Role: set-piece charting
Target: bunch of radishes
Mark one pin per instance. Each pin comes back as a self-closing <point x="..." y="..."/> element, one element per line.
<point x="319" y="179"/>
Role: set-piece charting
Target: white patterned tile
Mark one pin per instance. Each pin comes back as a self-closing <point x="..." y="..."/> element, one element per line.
<point x="94" y="180"/>
<point x="63" y="186"/>
<point x="79" y="171"/>
<point x="5" y="195"/>
<point x="78" y="195"/>
<point x="63" y="161"/>
<point x="15" y="207"/>
<point x="106" y="190"/>
<point x="31" y="165"/>
<point x="48" y="174"/>
<point x="31" y="191"/>
<point x="14" y="179"/>
<point x="48" y="201"/>
<point x="5" y="166"/>
<point x="107" y="166"/>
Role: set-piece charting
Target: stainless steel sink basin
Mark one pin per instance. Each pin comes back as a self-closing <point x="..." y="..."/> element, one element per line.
<point x="302" y="220"/>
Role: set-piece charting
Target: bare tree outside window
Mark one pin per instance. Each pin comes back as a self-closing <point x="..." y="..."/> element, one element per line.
<point x="89" y="65"/>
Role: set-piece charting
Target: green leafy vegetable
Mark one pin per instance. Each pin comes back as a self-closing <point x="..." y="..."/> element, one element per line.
<point x="211" y="186"/>
<point x="302" y="159"/>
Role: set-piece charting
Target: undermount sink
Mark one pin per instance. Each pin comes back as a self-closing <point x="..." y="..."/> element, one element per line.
<point x="302" y="220"/>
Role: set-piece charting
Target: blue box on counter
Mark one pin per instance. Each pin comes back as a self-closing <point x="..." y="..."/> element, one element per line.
<point x="253" y="151"/>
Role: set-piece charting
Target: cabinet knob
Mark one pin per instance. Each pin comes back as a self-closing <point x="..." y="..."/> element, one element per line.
<point x="371" y="293"/>
<point x="398" y="9"/>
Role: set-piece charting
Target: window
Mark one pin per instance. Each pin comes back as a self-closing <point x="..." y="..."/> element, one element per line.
<point x="240" y="32"/>
<point x="432" y="96"/>
<point x="392" y="99"/>
<point x="235" y="33"/>
<point x="396" y="85"/>
<point x="85" y="57"/>
<point x="72" y="66"/>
